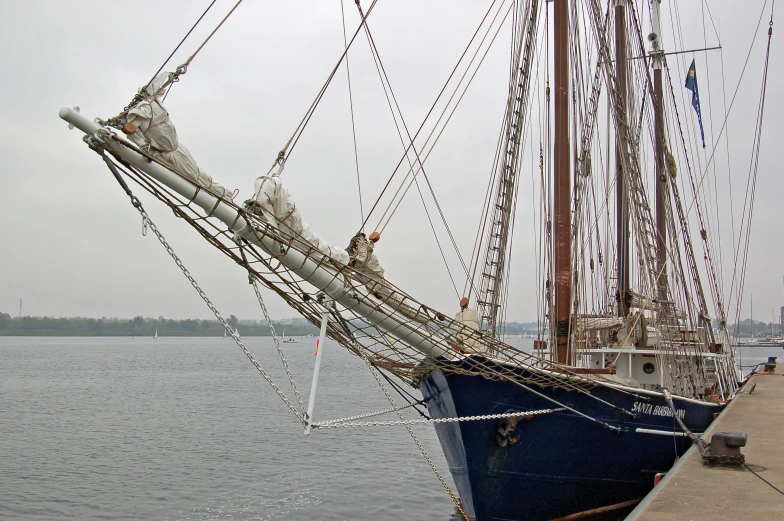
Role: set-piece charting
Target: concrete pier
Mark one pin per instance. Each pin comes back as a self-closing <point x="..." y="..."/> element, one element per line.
<point x="695" y="491"/>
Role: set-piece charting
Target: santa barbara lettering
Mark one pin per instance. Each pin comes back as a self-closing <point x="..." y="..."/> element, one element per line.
<point x="656" y="410"/>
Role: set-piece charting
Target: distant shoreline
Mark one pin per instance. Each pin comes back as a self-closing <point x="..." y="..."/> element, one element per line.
<point x="189" y="328"/>
<point x="145" y="327"/>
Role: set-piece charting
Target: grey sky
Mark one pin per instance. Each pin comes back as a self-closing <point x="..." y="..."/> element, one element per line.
<point x="72" y="244"/>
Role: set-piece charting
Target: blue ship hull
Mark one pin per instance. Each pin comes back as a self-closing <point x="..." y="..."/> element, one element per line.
<point x="561" y="463"/>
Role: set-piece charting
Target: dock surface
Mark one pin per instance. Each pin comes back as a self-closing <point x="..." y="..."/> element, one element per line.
<point x="694" y="491"/>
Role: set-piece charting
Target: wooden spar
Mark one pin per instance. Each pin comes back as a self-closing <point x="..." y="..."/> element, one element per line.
<point x="621" y="198"/>
<point x="661" y="174"/>
<point x="562" y="184"/>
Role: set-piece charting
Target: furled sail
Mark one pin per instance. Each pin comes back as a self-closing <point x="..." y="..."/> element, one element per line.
<point x="642" y="302"/>
<point x="153" y="131"/>
<point x="279" y="209"/>
<point x="589" y="323"/>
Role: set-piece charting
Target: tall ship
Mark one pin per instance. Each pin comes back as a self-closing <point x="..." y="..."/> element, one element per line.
<point x="632" y="343"/>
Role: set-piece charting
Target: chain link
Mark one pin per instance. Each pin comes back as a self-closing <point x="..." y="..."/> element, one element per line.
<point x="337" y="423"/>
<point x="360" y="349"/>
<point x="217" y="314"/>
<point x="254" y="283"/>
<point x="360" y="416"/>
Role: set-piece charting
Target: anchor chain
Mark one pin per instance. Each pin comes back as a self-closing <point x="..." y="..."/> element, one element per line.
<point x="407" y="424"/>
<point x="361" y="416"/>
<point x="254" y="282"/>
<point x="138" y="205"/>
<point x="337" y="423"/>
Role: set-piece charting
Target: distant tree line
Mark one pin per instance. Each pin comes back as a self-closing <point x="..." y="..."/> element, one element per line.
<point x="760" y="329"/>
<point x="521" y="328"/>
<point x="146" y="326"/>
<point x="142" y="326"/>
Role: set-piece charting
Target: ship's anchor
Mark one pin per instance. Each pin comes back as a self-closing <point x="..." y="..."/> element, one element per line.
<point x="506" y="429"/>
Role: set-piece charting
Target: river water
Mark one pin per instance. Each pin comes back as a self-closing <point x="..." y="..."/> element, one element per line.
<point x="186" y="429"/>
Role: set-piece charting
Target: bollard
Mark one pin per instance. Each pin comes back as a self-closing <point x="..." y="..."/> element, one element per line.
<point x="725" y="448"/>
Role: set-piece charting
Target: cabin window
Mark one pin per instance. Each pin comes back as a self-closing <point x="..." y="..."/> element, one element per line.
<point x="648" y="368"/>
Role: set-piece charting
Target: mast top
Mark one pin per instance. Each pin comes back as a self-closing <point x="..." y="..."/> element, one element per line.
<point x="655" y="37"/>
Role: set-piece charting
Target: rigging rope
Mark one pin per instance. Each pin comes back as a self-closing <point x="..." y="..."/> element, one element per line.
<point x="734" y="96"/>
<point x="393" y="206"/>
<point x="179" y="45"/>
<point x="353" y="126"/>
<point x="181" y="69"/>
<point x="432" y="107"/>
<point x="192" y="56"/>
<point x="292" y="142"/>
<point x="753" y="168"/>
<point x="386" y="84"/>
<point x="395" y="201"/>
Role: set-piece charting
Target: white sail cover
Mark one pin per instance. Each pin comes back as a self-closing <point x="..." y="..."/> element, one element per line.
<point x="155" y="134"/>
<point x="281" y="211"/>
<point x="643" y="302"/>
<point x="467" y="321"/>
<point x="360" y="251"/>
<point x="587" y="323"/>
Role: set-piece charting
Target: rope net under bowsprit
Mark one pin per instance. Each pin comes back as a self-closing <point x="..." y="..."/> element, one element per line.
<point x="399" y="335"/>
<point x="388" y="348"/>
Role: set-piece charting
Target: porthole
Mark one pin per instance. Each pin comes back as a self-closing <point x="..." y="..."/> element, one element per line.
<point x="648" y="368"/>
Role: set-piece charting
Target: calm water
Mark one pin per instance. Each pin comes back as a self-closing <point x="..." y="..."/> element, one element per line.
<point x="186" y="429"/>
<point x="173" y="428"/>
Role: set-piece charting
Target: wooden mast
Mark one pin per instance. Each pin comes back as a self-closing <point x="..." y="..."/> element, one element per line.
<point x="622" y="203"/>
<point x="661" y="173"/>
<point x="562" y="184"/>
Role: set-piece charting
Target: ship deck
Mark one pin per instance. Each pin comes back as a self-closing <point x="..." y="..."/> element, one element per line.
<point x="694" y="490"/>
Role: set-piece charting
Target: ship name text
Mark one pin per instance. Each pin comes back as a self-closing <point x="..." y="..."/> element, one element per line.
<point x="656" y="410"/>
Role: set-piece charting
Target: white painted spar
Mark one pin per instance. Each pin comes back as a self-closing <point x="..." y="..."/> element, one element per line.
<point x="664" y="433"/>
<point x="314" y="383"/>
<point x="179" y="184"/>
<point x="320" y="275"/>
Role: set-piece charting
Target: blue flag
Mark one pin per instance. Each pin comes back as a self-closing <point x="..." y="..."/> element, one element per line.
<point x="691" y="84"/>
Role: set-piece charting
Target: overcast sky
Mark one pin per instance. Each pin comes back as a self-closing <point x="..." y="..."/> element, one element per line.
<point x="72" y="244"/>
